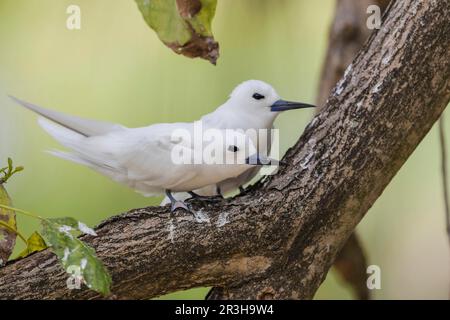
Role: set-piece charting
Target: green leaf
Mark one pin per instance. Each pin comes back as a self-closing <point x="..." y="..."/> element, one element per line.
<point x="18" y="169"/>
<point x="7" y="235"/>
<point x="74" y="254"/>
<point x="183" y="25"/>
<point x="9" y="171"/>
<point x="35" y="243"/>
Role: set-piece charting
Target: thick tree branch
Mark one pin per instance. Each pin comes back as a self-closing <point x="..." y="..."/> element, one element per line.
<point x="291" y="227"/>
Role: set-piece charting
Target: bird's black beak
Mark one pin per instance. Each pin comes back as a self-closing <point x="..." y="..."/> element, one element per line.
<point x="282" y="105"/>
<point x="259" y="160"/>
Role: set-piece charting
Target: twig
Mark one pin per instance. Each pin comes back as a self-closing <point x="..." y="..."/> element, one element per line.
<point x="29" y="214"/>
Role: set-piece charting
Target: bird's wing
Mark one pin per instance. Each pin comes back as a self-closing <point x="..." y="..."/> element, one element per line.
<point x="149" y="152"/>
<point x="85" y="127"/>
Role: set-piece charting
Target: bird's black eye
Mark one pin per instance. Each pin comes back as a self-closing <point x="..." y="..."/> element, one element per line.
<point x="258" y="96"/>
<point x="233" y="149"/>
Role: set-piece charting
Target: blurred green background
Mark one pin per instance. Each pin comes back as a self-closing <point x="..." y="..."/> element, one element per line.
<point x="116" y="69"/>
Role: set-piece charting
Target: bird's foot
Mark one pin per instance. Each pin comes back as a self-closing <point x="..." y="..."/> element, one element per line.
<point x="179" y="205"/>
<point x="176" y="204"/>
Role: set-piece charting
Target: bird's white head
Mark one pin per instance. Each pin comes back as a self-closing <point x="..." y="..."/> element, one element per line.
<point x="254" y="94"/>
<point x="260" y="98"/>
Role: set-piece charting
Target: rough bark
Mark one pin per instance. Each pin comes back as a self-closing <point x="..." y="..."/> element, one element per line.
<point x="290" y="227"/>
<point x="348" y="33"/>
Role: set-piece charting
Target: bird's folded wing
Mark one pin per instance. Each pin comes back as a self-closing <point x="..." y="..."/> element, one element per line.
<point x="149" y="156"/>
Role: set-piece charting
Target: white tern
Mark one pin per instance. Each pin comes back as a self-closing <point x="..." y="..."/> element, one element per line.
<point x="142" y="158"/>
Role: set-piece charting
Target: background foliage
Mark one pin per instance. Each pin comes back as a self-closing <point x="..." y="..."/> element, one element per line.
<point x="115" y="68"/>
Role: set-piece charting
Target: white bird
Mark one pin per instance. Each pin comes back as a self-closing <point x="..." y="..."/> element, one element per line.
<point x="255" y="105"/>
<point x="143" y="158"/>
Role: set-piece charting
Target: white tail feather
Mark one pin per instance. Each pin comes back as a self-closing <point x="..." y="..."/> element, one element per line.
<point x="84" y="152"/>
<point x="66" y="137"/>
<point x="82" y="126"/>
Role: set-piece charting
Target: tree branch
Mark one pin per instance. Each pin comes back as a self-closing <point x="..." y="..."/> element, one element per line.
<point x="290" y="227"/>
